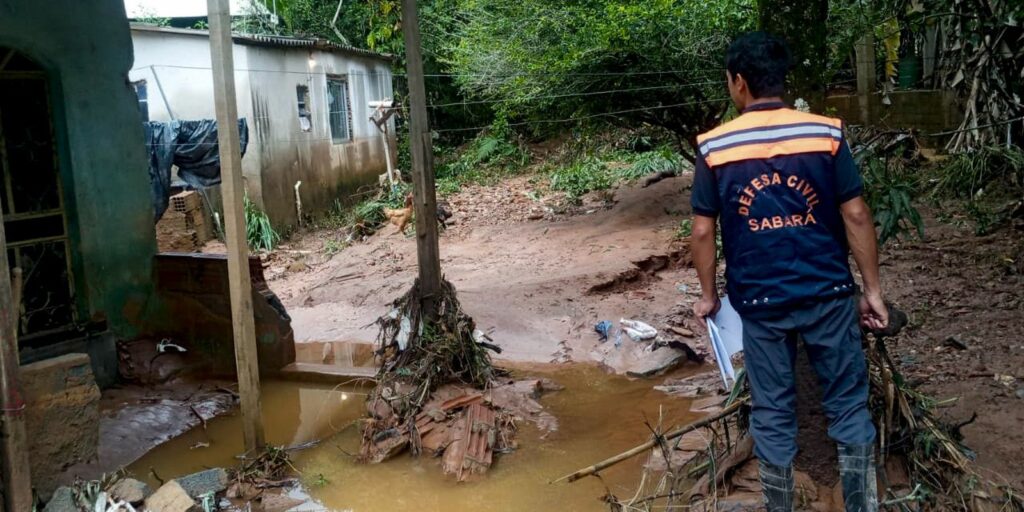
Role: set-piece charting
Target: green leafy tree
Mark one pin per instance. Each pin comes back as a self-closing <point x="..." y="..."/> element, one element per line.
<point x="657" y="62"/>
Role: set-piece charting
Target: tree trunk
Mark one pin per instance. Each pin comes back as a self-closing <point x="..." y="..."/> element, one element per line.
<point x="803" y="24"/>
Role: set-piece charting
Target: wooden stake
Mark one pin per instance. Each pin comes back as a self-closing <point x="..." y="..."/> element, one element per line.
<point x="17" y="479"/>
<point x="232" y="188"/>
<point x="425" y="197"/>
<point x="628" y="454"/>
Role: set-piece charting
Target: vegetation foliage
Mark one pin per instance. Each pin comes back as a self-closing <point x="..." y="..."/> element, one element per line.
<point x="259" y="232"/>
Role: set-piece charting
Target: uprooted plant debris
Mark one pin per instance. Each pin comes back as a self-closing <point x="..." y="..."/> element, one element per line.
<point x="438" y="392"/>
<point x="922" y="463"/>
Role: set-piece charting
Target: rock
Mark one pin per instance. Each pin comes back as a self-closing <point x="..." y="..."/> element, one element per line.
<point x="204" y="482"/>
<point x="702" y="384"/>
<point x="657" y="362"/>
<point x="955" y="342"/>
<point x="63" y="500"/>
<point x="279" y="502"/>
<point x="741" y="502"/>
<point x="1020" y="393"/>
<point x="130" y="490"/>
<point x="170" y="498"/>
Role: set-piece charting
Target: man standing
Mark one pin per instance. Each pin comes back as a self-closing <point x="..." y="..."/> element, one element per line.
<point x="789" y="197"/>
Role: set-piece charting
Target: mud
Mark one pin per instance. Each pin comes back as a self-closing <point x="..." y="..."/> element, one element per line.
<point x="956" y="284"/>
<point x="539" y="286"/>
<point x="593" y="406"/>
<point x="644" y="272"/>
<point x="524" y="281"/>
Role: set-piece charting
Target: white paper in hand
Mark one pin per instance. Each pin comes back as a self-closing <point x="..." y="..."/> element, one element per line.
<point x="726" y="333"/>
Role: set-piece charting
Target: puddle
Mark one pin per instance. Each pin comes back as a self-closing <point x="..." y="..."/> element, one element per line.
<point x="293" y="413"/>
<point x="599" y="415"/>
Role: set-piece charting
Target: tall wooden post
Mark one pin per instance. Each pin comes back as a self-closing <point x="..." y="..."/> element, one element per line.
<point x="243" y="325"/>
<point x="14" y="459"/>
<point x="425" y="197"/>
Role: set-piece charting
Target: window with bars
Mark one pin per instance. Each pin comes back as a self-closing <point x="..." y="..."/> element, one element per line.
<point x="339" y="111"/>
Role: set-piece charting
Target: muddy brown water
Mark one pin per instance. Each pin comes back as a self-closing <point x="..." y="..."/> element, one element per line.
<point x="600" y="415"/>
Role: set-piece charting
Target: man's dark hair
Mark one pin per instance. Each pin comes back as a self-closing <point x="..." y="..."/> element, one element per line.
<point x="763" y="60"/>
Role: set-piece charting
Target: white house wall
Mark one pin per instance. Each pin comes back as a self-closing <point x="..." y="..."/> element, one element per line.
<point x="177" y="71"/>
<point x="328" y="171"/>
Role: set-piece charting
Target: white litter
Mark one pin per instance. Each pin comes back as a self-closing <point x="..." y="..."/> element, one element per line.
<point x="638" y="330"/>
<point x="404" y="330"/>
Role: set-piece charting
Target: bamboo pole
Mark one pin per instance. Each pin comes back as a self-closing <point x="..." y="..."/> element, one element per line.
<point x="242" y="322"/>
<point x="628" y="454"/>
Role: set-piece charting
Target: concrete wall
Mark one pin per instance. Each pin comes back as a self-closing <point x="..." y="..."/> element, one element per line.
<point x="926" y="111"/>
<point x="176" y="67"/>
<point x="62" y="417"/>
<point x="196" y="312"/>
<point x="86" y="50"/>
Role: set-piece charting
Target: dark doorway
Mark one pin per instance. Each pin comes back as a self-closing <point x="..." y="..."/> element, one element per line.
<point x="33" y="203"/>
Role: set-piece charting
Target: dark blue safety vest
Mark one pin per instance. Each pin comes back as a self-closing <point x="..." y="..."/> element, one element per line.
<point x="776" y="178"/>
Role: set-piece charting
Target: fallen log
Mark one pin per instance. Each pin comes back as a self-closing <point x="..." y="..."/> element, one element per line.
<point x="572" y="477"/>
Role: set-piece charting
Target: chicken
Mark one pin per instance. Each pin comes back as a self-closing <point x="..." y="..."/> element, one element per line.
<point x="444" y="213"/>
<point x="400" y="217"/>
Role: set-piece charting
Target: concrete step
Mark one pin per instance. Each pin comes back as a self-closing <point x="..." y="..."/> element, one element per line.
<point x="326" y="373"/>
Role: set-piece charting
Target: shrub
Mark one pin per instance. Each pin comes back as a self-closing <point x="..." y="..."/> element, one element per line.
<point x="259" y="232"/>
<point x="585" y="175"/>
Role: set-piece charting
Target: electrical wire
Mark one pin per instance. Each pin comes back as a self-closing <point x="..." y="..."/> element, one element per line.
<point x="591" y="116"/>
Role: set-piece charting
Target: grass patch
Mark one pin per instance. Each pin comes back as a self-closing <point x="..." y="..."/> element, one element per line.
<point x="583" y="176"/>
<point x="258" y="230"/>
<point x="968" y="174"/>
<point x="604" y="170"/>
<point x="988" y="180"/>
<point x="657" y="161"/>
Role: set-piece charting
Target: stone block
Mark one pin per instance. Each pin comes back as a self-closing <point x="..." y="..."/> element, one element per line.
<point x="130" y="490"/>
<point x="63" y="500"/>
<point x="204" y="482"/>
<point x="62" y="415"/>
<point x="170" y="498"/>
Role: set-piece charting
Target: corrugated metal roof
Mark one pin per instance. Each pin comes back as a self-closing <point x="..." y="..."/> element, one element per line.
<point x="302" y="42"/>
<point x="270" y="41"/>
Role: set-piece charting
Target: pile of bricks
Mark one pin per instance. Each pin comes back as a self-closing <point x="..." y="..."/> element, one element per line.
<point x="184" y="226"/>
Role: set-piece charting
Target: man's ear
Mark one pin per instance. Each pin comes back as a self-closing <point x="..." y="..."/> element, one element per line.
<point x="739" y="83"/>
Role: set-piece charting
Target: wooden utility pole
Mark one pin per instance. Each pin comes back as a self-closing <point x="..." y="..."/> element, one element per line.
<point x="232" y="188"/>
<point x="17" y="480"/>
<point x="424" y="195"/>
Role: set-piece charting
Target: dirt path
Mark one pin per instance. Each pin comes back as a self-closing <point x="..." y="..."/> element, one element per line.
<point x="524" y="281"/>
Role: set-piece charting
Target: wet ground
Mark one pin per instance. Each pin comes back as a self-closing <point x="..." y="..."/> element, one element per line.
<point x="539" y="284"/>
<point x="599" y="416"/>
